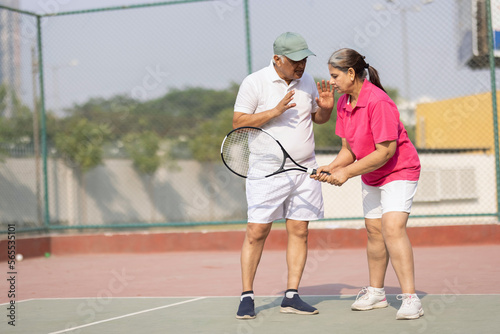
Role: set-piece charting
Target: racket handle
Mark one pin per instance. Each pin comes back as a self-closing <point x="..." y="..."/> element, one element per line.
<point x="314" y="172"/>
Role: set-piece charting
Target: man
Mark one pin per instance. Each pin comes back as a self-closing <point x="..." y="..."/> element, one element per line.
<point x="283" y="100"/>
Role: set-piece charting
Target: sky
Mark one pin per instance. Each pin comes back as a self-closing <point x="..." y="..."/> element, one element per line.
<point x="146" y="52"/>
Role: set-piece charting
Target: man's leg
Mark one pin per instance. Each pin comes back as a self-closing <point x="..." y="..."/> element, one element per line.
<point x="296" y="252"/>
<point x="296" y="256"/>
<point x="251" y="252"/>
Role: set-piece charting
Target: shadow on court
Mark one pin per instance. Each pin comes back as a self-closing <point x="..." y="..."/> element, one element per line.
<point x="197" y="292"/>
<point x="337" y="289"/>
<point x="443" y="314"/>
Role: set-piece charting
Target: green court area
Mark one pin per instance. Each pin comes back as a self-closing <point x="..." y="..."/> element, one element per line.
<point x="443" y="314"/>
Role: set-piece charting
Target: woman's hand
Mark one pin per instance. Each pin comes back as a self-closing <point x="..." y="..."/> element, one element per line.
<point x="334" y="176"/>
<point x="338" y="177"/>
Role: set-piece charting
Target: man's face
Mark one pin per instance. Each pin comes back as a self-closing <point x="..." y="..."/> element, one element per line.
<point x="288" y="69"/>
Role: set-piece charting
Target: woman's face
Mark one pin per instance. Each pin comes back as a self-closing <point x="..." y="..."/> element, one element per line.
<point x="341" y="81"/>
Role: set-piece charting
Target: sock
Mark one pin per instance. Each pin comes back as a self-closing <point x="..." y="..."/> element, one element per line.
<point x="378" y="290"/>
<point x="247" y="294"/>
<point x="290" y="293"/>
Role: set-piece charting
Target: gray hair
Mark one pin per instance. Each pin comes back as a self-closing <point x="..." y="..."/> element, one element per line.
<point x="344" y="59"/>
<point x="280" y="57"/>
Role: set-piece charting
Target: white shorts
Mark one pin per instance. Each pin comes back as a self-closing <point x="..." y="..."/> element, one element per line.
<point x="393" y="196"/>
<point x="290" y="196"/>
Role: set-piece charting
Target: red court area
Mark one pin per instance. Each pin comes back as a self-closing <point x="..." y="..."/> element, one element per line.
<point x="448" y="260"/>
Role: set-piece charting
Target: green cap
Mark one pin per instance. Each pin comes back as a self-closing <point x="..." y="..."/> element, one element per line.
<point x="292" y="46"/>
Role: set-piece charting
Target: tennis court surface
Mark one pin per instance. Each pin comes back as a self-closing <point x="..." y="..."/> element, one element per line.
<point x="198" y="292"/>
<point x="444" y="314"/>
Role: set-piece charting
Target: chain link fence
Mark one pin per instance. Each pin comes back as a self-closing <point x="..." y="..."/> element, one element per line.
<point x="113" y="117"/>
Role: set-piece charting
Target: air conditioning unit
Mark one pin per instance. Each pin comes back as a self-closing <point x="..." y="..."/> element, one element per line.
<point x="446" y="184"/>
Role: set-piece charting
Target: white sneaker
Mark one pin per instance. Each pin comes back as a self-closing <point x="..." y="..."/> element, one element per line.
<point x="411" y="307"/>
<point x="370" y="299"/>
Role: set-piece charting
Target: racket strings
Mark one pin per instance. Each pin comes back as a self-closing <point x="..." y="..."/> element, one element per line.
<point x="252" y="153"/>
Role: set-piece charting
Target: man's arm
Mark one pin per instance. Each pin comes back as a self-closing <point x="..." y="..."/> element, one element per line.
<point x="322" y="115"/>
<point x="257" y="120"/>
<point x="325" y="103"/>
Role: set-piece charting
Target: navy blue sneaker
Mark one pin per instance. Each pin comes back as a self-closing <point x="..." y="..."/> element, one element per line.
<point x="246" y="310"/>
<point x="297" y="306"/>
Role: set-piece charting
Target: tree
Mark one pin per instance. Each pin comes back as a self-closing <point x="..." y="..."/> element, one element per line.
<point x="3" y="99"/>
<point x="182" y="110"/>
<point x="325" y="137"/>
<point x="143" y="150"/>
<point x="205" y="145"/>
<point x="117" y="111"/>
<point x="324" y="134"/>
<point x="81" y="144"/>
<point x="16" y="122"/>
<point x="3" y="126"/>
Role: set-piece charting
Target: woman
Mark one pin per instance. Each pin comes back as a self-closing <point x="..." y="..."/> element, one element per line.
<point x="375" y="145"/>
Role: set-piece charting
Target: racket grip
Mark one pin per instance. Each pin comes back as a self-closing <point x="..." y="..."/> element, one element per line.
<point x="314" y="172"/>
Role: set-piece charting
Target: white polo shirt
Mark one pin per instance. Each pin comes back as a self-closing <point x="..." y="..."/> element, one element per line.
<point x="263" y="90"/>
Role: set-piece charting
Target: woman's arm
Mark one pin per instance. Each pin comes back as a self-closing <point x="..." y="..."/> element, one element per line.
<point x="383" y="152"/>
<point x="343" y="159"/>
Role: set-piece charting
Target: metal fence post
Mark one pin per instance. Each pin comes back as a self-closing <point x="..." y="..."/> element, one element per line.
<point x="491" y="57"/>
<point x="247" y="29"/>
<point x="46" y="215"/>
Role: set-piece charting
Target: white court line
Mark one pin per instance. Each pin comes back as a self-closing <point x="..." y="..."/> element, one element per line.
<point x="238" y="296"/>
<point x="127" y="315"/>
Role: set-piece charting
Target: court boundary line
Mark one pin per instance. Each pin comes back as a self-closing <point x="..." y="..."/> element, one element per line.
<point x="237" y="296"/>
<point x="127" y="315"/>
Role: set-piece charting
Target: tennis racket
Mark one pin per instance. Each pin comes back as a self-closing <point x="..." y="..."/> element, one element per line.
<point x="253" y="153"/>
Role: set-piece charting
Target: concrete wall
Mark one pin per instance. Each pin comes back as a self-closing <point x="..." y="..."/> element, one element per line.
<point x="194" y="192"/>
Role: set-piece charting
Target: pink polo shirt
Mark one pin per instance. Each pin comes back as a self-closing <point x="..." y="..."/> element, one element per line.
<point x="375" y="119"/>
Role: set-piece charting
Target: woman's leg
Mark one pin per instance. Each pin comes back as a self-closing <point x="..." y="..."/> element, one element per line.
<point x="399" y="248"/>
<point x="376" y="251"/>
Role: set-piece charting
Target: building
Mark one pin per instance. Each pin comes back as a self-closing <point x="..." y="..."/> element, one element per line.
<point x="463" y="123"/>
<point x="10" y="51"/>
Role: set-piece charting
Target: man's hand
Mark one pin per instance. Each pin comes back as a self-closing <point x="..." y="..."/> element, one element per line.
<point x="326" y="95"/>
<point x="284" y="104"/>
<point x="322" y="173"/>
